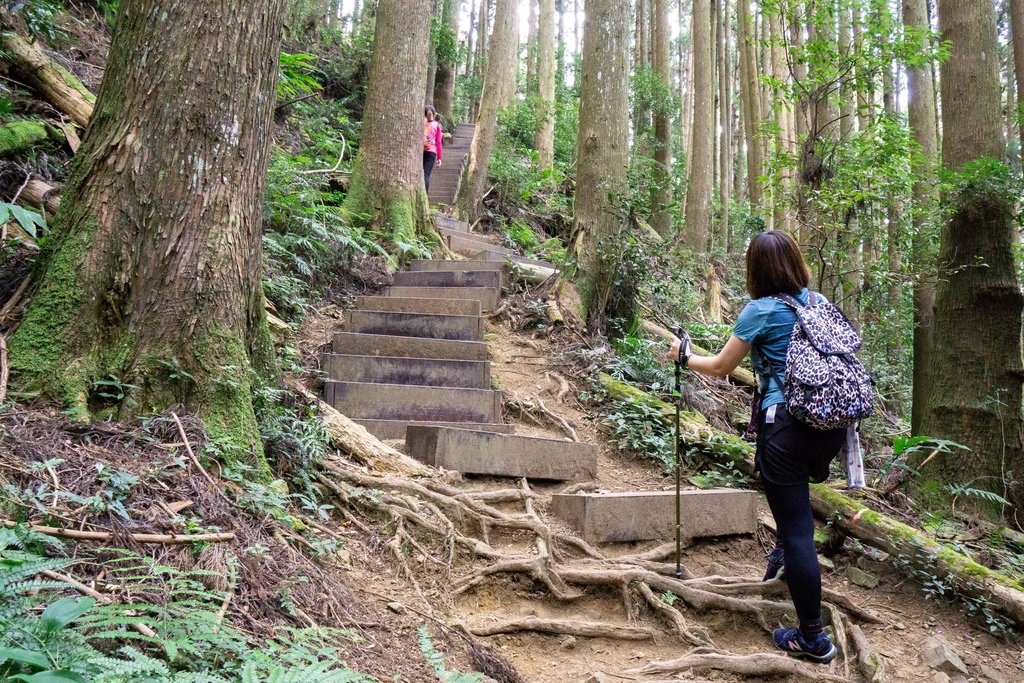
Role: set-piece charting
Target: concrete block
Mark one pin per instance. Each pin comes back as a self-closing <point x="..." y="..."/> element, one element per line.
<point x="354" y="344"/>
<point x="458" y="327"/>
<point x="485" y="240"/>
<point x="651" y="515"/>
<point x="361" y="400"/>
<point x="439" y="265"/>
<point x="396" y="429"/>
<point x="476" y="452"/>
<point x="457" y="278"/>
<point x="487" y="297"/>
<point x="490" y="254"/>
<point x="397" y="304"/>
<point x="447" y="222"/>
<point x="425" y="372"/>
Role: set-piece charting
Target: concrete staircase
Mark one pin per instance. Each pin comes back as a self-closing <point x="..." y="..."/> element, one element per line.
<point x="412" y="364"/>
<point x="445" y="181"/>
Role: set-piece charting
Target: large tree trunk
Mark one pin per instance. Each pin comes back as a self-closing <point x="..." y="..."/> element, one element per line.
<point x="603" y="153"/>
<point x="785" y="137"/>
<point x="975" y="392"/>
<point x="532" y="33"/>
<point x="661" y="191"/>
<point x="546" y="76"/>
<point x="387" y="184"/>
<point x="926" y="201"/>
<point x="444" y="83"/>
<point x="151" y="286"/>
<point x="501" y="62"/>
<point x="697" y="226"/>
<point x="1017" y="28"/>
<point x="724" y="123"/>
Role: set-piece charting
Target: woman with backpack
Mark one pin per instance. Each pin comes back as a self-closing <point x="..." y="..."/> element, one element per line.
<point x="789" y="452"/>
<point x="432" y="148"/>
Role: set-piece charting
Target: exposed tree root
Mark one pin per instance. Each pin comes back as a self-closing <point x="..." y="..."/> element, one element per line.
<point x="760" y="666"/>
<point x="584" y="629"/>
<point x="569" y="568"/>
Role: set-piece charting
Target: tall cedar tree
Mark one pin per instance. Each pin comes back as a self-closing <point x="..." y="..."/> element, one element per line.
<point x="975" y="389"/>
<point x="150" y="295"/>
<point x="921" y="116"/>
<point x="546" y="85"/>
<point x="603" y="153"/>
<point x="444" y="81"/>
<point x="501" y="62"/>
<point x="661" y="192"/>
<point x="697" y="226"/>
<point x="387" y="183"/>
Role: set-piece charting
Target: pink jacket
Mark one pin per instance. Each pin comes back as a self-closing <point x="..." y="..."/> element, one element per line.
<point x="432" y="138"/>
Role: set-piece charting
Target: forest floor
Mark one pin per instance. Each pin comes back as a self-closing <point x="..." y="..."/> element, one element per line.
<point x="528" y="365"/>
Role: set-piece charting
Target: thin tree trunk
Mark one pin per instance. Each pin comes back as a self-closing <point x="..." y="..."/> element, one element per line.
<point x="926" y="200"/>
<point x="751" y="102"/>
<point x="603" y="153"/>
<point x="470" y="35"/>
<point x="546" y="75"/>
<point x="785" y="141"/>
<point x="697" y="225"/>
<point x="355" y="17"/>
<point x="153" y="275"/>
<point x="725" y="123"/>
<point x="641" y="61"/>
<point x="661" y="191"/>
<point x="1017" y="28"/>
<point x="500" y="68"/>
<point x="444" y="86"/>
<point x="387" y="182"/>
<point x="532" y="52"/>
<point x="975" y="392"/>
<point x="686" y="86"/>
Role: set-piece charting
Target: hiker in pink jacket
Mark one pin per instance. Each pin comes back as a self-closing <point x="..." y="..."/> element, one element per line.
<point x="432" y="149"/>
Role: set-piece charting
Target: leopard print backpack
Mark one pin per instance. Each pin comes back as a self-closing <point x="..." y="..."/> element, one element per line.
<point x="826" y="386"/>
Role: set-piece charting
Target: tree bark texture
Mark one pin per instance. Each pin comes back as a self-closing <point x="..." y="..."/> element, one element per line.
<point x="724" y="124"/>
<point x="500" y="69"/>
<point x="546" y="76"/>
<point x="387" y="188"/>
<point x="532" y="53"/>
<point x="697" y="224"/>
<point x="785" y="141"/>
<point x="661" y="191"/>
<point x="444" y="82"/>
<point x="152" y="276"/>
<point x="603" y="153"/>
<point x="921" y="113"/>
<point x="975" y="392"/>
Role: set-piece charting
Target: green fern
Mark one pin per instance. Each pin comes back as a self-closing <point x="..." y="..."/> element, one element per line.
<point x="436" y="661"/>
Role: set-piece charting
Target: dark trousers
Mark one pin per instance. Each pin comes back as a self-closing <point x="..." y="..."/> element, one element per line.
<point x="429" y="159"/>
<point x="790" y="455"/>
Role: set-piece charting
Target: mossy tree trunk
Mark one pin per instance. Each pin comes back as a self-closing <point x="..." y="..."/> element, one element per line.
<point x="603" y="154"/>
<point x="501" y="66"/>
<point x="975" y="388"/>
<point x="149" y="292"/>
<point x="387" y="188"/>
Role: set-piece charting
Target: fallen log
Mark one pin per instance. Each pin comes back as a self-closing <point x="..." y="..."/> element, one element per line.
<point x="739" y="375"/>
<point x="913" y="550"/>
<point x="41" y="195"/>
<point x="19" y="136"/>
<point x="353" y="439"/>
<point x="55" y="83"/>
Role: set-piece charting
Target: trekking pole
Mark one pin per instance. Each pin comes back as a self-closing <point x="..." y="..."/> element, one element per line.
<point x="678" y="331"/>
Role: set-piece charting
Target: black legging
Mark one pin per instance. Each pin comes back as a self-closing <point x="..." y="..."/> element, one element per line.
<point x="429" y="159"/>
<point x="791" y="507"/>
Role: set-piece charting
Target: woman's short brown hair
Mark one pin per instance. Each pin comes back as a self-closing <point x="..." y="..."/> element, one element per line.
<point x="775" y="265"/>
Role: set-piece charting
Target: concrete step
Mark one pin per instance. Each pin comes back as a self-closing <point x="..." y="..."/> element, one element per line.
<point x="503" y="255"/>
<point x="468" y="246"/>
<point x="354" y="344"/>
<point x="363" y="400"/>
<point x="651" y="515"/>
<point x="425" y="372"/>
<point x="476" y="452"/>
<point x="444" y="221"/>
<point x="440" y="265"/>
<point x="449" y="278"/>
<point x="459" y="327"/>
<point x="436" y="306"/>
<point x="487" y="297"/>
<point x="485" y="240"/>
<point x="396" y="429"/>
